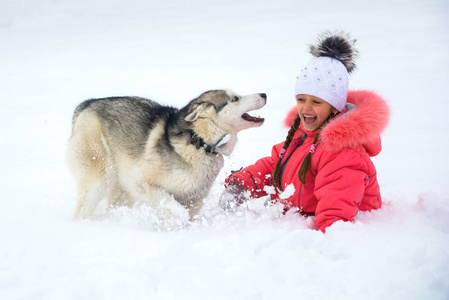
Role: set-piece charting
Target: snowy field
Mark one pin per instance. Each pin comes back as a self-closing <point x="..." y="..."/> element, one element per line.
<point x="57" y="53"/>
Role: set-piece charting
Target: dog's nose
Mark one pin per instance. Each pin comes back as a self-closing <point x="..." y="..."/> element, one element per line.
<point x="263" y="95"/>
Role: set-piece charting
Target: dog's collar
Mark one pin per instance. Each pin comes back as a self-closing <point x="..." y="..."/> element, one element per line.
<point x="198" y="142"/>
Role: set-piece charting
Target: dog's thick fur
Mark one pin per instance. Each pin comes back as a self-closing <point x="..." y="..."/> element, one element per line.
<point x="130" y="149"/>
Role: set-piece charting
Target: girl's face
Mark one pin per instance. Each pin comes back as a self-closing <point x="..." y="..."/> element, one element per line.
<point x="313" y="111"/>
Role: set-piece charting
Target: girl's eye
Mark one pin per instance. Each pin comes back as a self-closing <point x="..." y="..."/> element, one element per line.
<point x="235" y="99"/>
<point x="300" y="100"/>
<point x="316" y="102"/>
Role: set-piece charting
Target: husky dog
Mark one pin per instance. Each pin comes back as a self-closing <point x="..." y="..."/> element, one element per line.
<point x="134" y="150"/>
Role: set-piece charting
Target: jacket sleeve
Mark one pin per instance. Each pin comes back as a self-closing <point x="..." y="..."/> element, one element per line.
<point x="255" y="177"/>
<point x="339" y="187"/>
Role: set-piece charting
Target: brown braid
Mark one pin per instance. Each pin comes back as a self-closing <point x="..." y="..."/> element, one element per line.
<point x="276" y="180"/>
<point x="306" y="162"/>
<point x="305" y="165"/>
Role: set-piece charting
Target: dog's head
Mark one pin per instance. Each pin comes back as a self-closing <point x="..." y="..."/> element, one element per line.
<point x="217" y="116"/>
<point x="226" y="110"/>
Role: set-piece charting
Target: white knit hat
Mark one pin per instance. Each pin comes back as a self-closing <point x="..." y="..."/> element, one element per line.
<point x="326" y="75"/>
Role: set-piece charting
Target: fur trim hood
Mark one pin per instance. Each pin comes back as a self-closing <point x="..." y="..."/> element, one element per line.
<point x="360" y="125"/>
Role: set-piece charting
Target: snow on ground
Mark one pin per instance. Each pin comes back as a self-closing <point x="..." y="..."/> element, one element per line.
<point x="56" y="53"/>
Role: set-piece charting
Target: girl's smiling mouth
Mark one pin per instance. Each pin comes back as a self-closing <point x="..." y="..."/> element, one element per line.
<point x="309" y="118"/>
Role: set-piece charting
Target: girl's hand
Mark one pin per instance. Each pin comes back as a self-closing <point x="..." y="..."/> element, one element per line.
<point x="232" y="197"/>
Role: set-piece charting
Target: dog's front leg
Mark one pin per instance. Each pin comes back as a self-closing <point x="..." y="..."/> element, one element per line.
<point x="163" y="203"/>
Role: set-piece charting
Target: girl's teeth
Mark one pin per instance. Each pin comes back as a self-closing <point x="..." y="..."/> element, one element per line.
<point x="309" y="119"/>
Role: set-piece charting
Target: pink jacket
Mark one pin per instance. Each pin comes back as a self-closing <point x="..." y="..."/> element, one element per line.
<point x="342" y="179"/>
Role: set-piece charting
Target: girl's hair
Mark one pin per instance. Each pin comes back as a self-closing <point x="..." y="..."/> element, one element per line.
<point x="305" y="165"/>
<point x="277" y="168"/>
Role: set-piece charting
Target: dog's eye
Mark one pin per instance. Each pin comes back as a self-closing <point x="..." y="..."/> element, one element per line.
<point x="235" y="99"/>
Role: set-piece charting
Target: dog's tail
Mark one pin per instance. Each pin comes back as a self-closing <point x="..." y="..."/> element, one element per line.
<point x="81" y="107"/>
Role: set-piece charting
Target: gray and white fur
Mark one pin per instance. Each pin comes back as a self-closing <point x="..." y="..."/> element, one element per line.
<point x="133" y="150"/>
<point x="337" y="45"/>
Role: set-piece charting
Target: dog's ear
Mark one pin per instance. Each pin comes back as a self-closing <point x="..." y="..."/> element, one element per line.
<point x="193" y="116"/>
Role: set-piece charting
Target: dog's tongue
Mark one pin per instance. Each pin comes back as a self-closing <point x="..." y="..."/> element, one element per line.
<point x="249" y="118"/>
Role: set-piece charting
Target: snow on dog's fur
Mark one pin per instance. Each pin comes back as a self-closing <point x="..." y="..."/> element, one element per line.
<point x="133" y="150"/>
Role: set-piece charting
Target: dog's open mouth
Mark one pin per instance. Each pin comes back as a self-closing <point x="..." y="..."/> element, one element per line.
<point x="249" y="118"/>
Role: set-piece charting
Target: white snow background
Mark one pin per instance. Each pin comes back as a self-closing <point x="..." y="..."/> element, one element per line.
<point x="56" y="53"/>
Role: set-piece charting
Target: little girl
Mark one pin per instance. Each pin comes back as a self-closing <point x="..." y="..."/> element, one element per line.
<point x="326" y="154"/>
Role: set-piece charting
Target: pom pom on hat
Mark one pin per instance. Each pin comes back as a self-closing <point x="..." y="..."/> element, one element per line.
<point x="326" y="75"/>
<point x="338" y="46"/>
